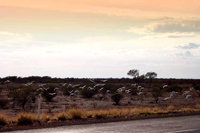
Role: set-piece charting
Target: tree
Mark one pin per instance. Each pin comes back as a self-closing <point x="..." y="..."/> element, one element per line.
<point x="156" y="93"/>
<point x="117" y="97"/>
<point x="151" y="76"/>
<point x="134" y="73"/>
<point x="141" y="78"/>
<point x="22" y="96"/>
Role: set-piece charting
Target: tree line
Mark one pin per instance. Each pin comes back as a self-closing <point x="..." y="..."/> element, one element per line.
<point x="138" y="79"/>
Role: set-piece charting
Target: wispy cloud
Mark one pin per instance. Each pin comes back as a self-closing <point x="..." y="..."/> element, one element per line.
<point x="6" y="33"/>
<point x="176" y="27"/>
<point x="189" y="46"/>
<point x="12" y="37"/>
<point x="172" y="28"/>
<point x="185" y="54"/>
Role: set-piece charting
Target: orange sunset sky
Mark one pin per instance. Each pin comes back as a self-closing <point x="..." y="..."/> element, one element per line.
<point x="99" y="38"/>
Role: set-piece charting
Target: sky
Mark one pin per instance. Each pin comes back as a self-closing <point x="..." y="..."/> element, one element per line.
<point x="99" y="38"/>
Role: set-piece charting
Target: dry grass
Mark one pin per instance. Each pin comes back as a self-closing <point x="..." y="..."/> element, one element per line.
<point x="44" y="117"/>
<point x="26" y="118"/>
<point x="62" y="116"/>
<point x="3" y="120"/>
<point x="101" y="114"/>
<point x="197" y="106"/>
<point x="170" y="108"/>
<point x="72" y="113"/>
<point x="76" y="113"/>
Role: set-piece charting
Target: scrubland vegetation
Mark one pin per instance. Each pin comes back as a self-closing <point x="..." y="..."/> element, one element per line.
<point x="67" y="100"/>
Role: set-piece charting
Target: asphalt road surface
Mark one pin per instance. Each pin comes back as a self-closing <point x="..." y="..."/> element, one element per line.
<point x="185" y="124"/>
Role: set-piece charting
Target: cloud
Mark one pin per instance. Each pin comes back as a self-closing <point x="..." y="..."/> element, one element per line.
<point x="5" y="33"/>
<point x="178" y="27"/>
<point x="12" y="37"/>
<point x="176" y="36"/>
<point x="185" y="54"/>
<point x="171" y="28"/>
<point x="189" y="46"/>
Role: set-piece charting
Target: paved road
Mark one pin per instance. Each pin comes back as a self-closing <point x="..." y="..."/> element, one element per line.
<point x="185" y="124"/>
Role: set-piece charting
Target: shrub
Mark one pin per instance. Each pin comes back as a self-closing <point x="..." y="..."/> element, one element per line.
<point x="66" y="90"/>
<point x="62" y="116"/>
<point x="170" y="108"/>
<point x="116" y="97"/>
<point x="157" y="86"/>
<point x="115" y="113"/>
<point x="3" y="102"/>
<point x="156" y="93"/>
<point x="46" y="93"/>
<point x="75" y="113"/>
<point x="89" y="114"/>
<point x="111" y="87"/>
<point x="33" y="97"/>
<point x="86" y="93"/>
<point x="45" y="117"/>
<point x="25" y="119"/>
<point x="22" y="96"/>
<point x="174" y="88"/>
<point x="2" y="120"/>
<point x="133" y="90"/>
<point x="101" y="114"/>
<point x="197" y="87"/>
<point x="197" y="106"/>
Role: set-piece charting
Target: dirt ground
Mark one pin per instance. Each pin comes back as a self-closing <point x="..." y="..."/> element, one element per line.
<point x="63" y="102"/>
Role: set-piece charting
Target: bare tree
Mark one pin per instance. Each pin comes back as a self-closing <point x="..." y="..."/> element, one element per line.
<point x="134" y="73"/>
<point x="151" y="76"/>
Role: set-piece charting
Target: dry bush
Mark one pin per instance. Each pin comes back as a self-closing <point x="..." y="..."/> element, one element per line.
<point x="170" y="108"/>
<point x="75" y="113"/>
<point x="134" y="111"/>
<point x="187" y="109"/>
<point x="3" y="102"/>
<point x="62" y="116"/>
<point x="3" y="120"/>
<point x="44" y="117"/>
<point x="26" y="118"/>
<point x="197" y="106"/>
<point x="102" y="114"/>
<point x="115" y="113"/>
<point x="156" y="110"/>
<point x="46" y="92"/>
<point x="117" y="97"/>
<point x="22" y="96"/>
<point x="89" y="114"/>
<point x="126" y="112"/>
<point x="86" y="93"/>
<point x="145" y="111"/>
<point x="75" y="106"/>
